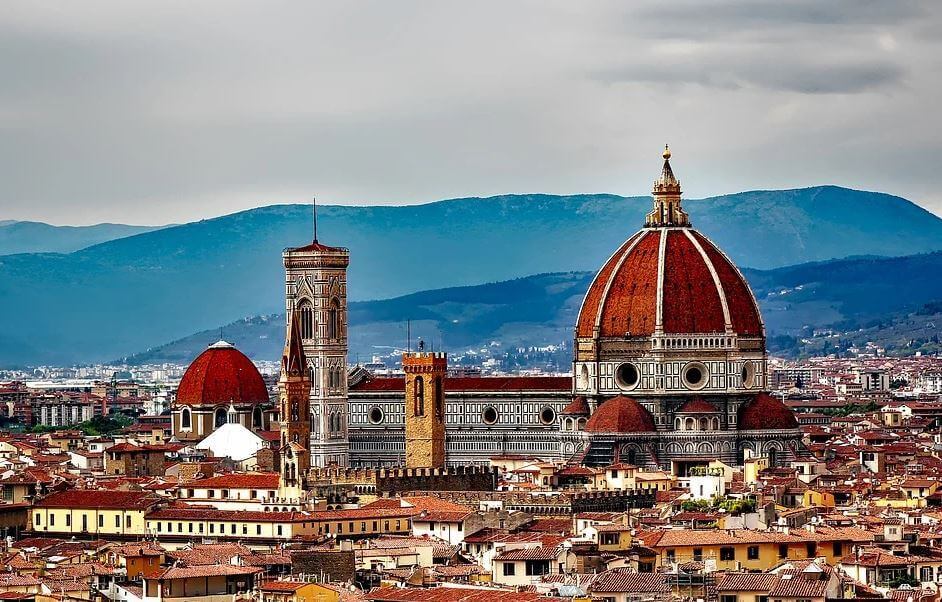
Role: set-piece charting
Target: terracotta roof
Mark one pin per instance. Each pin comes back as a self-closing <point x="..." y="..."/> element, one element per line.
<point x="102" y="499"/>
<point x="485" y="383"/>
<point x="623" y="580"/>
<point x="697" y="406"/>
<point x="766" y="412"/>
<point x="622" y="300"/>
<point x="205" y="570"/>
<point x="220" y="375"/>
<point x="688" y="537"/>
<point x="577" y="407"/>
<point x="536" y="553"/>
<point x="245" y="480"/>
<point x="451" y="594"/>
<point x="620" y="415"/>
<point x="316" y="246"/>
<point x="283" y="586"/>
<point x="746" y="582"/>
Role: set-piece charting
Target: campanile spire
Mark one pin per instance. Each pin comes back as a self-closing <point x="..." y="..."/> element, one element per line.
<point x="667" y="210"/>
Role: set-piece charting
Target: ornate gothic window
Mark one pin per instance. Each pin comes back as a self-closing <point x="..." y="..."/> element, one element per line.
<point x="418" y="397"/>
<point x="333" y="319"/>
<point x="306" y="311"/>
<point x="294" y="411"/>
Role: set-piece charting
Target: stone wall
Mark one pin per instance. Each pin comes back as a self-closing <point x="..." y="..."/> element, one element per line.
<point x="335" y="565"/>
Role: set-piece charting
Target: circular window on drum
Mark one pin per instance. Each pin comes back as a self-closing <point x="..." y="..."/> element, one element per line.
<point x="748" y="375"/>
<point x="627" y="376"/>
<point x="376" y="415"/>
<point x="489" y="415"/>
<point x="547" y="415"/>
<point x="695" y="375"/>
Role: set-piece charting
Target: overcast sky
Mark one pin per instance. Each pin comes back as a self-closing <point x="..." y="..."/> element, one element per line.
<point x="157" y="112"/>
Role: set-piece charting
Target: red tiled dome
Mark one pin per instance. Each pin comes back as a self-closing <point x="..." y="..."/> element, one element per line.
<point x="697" y="406"/>
<point x="766" y="412"/>
<point x="577" y="407"/>
<point x="701" y="289"/>
<point x="620" y="415"/>
<point x="221" y="374"/>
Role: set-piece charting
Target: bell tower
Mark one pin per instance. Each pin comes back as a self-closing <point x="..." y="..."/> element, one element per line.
<point x="425" y="408"/>
<point x="294" y="396"/>
<point x="316" y="288"/>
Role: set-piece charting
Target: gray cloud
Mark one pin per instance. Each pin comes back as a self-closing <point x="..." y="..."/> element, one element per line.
<point x="162" y="112"/>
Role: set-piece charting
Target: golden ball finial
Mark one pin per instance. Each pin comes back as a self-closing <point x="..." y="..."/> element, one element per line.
<point x="667" y="152"/>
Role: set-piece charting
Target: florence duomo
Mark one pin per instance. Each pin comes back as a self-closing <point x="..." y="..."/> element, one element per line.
<point x="669" y="373"/>
<point x="411" y="301"/>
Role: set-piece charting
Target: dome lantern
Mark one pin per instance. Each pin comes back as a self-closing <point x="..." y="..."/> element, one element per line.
<point x="667" y="210"/>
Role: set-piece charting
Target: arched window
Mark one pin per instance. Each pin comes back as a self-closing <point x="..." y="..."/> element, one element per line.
<point x="220" y="417"/>
<point x="690" y="424"/>
<point x="257" y="418"/>
<point x="185" y="421"/>
<point x="418" y="397"/>
<point x="677" y="425"/>
<point x="703" y="424"/>
<point x="306" y="311"/>
<point x="333" y="319"/>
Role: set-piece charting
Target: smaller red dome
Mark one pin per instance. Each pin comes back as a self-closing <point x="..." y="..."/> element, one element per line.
<point x="697" y="406"/>
<point x="221" y="374"/>
<point x="765" y="412"/>
<point x="620" y="415"/>
<point x="578" y="407"/>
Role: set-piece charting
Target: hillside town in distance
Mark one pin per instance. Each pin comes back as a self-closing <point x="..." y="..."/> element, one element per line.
<point x="672" y="460"/>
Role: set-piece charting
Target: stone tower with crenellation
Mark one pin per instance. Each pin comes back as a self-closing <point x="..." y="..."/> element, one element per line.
<point x="425" y="408"/>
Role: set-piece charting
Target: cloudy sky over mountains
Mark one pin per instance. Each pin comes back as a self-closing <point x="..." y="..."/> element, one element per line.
<point x="149" y="112"/>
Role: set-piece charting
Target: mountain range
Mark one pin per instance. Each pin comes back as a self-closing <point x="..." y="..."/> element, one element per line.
<point x="37" y="237"/>
<point x="119" y="297"/>
<point x="854" y="296"/>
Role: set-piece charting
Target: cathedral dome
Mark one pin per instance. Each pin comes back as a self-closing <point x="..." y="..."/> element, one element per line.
<point x="221" y="374"/>
<point x="620" y="415"/>
<point x="668" y="279"/>
<point x="672" y="280"/>
<point x="765" y="412"/>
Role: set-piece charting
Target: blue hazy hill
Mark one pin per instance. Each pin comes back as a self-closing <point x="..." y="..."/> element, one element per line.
<point x="133" y="293"/>
<point x="37" y="237"/>
<point x="875" y="294"/>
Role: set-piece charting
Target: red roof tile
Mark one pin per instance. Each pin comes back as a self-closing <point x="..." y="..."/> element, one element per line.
<point x="220" y="375"/>
<point x="620" y="415"/>
<point x="766" y="412"/>
<point x="102" y="499"/>
<point x="250" y="480"/>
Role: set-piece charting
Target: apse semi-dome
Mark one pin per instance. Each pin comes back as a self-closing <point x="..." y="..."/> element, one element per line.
<point x="620" y="415"/>
<point x="221" y="375"/>
<point x="765" y="412"/>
